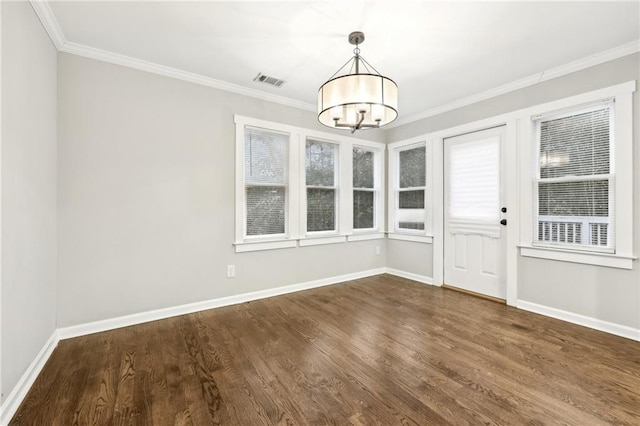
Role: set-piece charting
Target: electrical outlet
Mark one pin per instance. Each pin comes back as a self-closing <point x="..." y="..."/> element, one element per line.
<point x="231" y="271"/>
<point x="377" y="249"/>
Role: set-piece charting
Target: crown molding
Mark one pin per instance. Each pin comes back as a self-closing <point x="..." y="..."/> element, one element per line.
<point x="49" y="22"/>
<point x="142" y="65"/>
<point x="580" y="64"/>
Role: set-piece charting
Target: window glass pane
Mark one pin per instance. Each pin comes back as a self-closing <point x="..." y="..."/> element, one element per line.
<point x="574" y="212"/>
<point x="411" y="225"/>
<point x="362" y="168"/>
<point x="577" y="145"/>
<point x="363" y="207"/>
<point x="590" y="198"/>
<point x="320" y="163"/>
<point x="321" y="207"/>
<point x="412" y="167"/>
<point x="411" y="199"/>
<point x="265" y="210"/>
<point x="266" y="157"/>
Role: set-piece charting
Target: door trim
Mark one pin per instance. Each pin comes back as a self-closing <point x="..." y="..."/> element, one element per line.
<point x="512" y="191"/>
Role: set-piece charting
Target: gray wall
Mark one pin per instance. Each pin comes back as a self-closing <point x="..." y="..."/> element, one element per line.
<point x="604" y="293"/>
<point x="146" y="196"/>
<point x="409" y="256"/>
<point x="28" y="190"/>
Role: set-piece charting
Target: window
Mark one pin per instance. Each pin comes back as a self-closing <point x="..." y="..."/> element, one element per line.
<point x="410" y="185"/>
<point x="296" y="187"/>
<point x="364" y="189"/>
<point x="577" y="194"/>
<point x="321" y="181"/>
<point x="574" y="190"/>
<point x="266" y="170"/>
<point x="411" y="189"/>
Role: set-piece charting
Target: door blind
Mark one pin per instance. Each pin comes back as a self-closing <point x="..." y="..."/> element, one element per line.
<point x="474" y="185"/>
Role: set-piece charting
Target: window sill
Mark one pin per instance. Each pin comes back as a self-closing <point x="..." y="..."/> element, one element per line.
<point x="364" y="237"/>
<point x="598" y="259"/>
<point x="316" y="241"/>
<point x="248" y="246"/>
<point x="408" y="237"/>
<point x="263" y="245"/>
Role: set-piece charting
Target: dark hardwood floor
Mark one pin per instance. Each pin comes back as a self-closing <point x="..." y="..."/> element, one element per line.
<point x="375" y="351"/>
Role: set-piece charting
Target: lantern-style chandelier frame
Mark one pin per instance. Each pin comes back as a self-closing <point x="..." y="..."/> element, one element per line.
<point x="357" y="99"/>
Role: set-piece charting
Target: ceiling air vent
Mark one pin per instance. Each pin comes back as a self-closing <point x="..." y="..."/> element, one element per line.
<point x="272" y="81"/>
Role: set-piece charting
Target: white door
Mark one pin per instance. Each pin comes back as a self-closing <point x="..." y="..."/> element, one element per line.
<point x="474" y="198"/>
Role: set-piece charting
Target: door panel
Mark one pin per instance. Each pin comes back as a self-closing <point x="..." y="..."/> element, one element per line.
<point x="474" y="241"/>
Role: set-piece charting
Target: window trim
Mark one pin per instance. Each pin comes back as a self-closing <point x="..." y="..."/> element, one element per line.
<point x="621" y="171"/>
<point x="417" y="235"/>
<point x="297" y="235"/>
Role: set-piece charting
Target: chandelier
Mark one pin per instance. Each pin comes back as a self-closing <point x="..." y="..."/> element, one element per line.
<point x="357" y="100"/>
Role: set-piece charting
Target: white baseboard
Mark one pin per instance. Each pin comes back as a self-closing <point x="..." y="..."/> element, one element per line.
<point x="133" y="319"/>
<point x="15" y="398"/>
<point x="410" y="276"/>
<point x="596" y="324"/>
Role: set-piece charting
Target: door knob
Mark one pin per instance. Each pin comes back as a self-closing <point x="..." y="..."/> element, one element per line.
<point x="503" y="222"/>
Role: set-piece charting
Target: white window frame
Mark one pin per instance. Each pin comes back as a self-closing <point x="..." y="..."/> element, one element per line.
<point x="297" y="235"/>
<point x="610" y="177"/>
<point x="622" y="179"/>
<point x="378" y="193"/>
<point x="337" y="184"/>
<point x="417" y="235"/>
<point x="244" y="242"/>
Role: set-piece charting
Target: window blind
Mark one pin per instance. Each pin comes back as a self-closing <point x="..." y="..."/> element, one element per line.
<point x="574" y="190"/>
<point x="266" y="165"/>
<point x="320" y="164"/>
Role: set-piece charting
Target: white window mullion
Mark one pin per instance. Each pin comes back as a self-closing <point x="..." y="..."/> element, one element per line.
<point x="345" y="194"/>
<point x="622" y="165"/>
<point x="240" y="216"/>
<point x="294" y="186"/>
<point x="379" y="197"/>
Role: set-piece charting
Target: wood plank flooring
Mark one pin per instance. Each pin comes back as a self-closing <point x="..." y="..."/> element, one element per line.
<point x="375" y="351"/>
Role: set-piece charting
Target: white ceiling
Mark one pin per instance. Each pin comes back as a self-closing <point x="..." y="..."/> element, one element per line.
<point x="437" y="52"/>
